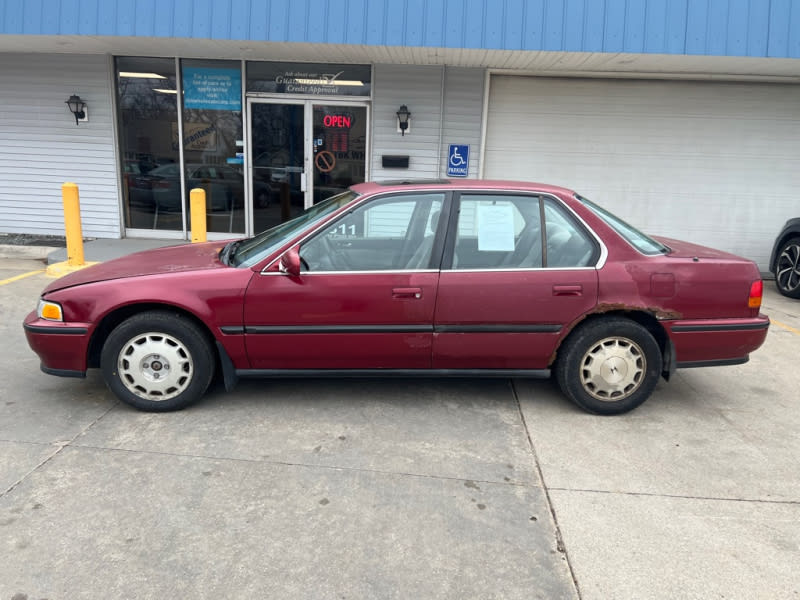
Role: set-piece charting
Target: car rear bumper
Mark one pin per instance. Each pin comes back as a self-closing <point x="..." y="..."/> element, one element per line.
<point x="62" y="347"/>
<point x="707" y="342"/>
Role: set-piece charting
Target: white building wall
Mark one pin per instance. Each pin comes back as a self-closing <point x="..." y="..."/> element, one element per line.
<point x="463" y="106"/>
<point x="434" y="124"/>
<point x="41" y="147"/>
<point x="714" y="163"/>
<point x="420" y="89"/>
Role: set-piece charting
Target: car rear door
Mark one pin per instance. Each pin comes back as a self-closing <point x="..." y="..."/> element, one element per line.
<point x="517" y="270"/>
<point x="364" y="298"/>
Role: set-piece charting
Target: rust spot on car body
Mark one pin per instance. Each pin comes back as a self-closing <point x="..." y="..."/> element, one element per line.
<point x="661" y="314"/>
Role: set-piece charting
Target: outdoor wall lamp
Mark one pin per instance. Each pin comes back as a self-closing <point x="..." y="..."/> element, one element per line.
<point x="77" y="107"/>
<point x="403" y="118"/>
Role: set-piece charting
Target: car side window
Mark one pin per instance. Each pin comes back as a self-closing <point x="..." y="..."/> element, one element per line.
<point x="386" y="234"/>
<point x="498" y="232"/>
<point x="568" y="245"/>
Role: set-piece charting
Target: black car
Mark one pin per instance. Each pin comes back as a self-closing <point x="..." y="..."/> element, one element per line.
<point x="785" y="259"/>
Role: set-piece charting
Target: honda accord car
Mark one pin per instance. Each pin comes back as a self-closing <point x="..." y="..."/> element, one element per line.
<point x="441" y="278"/>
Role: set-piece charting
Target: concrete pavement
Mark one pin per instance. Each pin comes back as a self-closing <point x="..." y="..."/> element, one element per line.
<point x="696" y="494"/>
<point x="289" y="489"/>
<point x="400" y="488"/>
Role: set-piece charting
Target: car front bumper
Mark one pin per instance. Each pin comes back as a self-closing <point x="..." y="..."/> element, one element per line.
<point x="62" y="347"/>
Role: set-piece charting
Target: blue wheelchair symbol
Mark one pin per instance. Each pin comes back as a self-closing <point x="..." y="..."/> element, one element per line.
<point x="456" y="160"/>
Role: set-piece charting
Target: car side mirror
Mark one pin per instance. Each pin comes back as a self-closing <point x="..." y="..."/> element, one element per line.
<point x="290" y="262"/>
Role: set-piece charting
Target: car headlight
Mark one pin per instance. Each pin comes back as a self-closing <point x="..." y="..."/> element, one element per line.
<point x="50" y="311"/>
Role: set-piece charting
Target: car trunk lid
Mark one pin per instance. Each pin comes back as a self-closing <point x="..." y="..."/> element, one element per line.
<point x="710" y="283"/>
<point x="681" y="249"/>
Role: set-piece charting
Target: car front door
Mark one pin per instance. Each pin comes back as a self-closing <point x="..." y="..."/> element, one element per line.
<point x="364" y="298"/>
<point x="518" y="269"/>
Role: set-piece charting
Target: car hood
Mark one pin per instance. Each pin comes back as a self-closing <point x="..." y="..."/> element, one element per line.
<point x="172" y="259"/>
<point x="681" y="249"/>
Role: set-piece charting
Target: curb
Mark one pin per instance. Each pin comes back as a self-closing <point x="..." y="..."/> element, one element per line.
<point x="29" y="252"/>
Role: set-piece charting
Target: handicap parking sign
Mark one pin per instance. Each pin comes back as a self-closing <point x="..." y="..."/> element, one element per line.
<point x="458" y="160"/>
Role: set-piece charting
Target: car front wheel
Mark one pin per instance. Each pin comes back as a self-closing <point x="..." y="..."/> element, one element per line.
<point x="157" y="361"/>
<point x="609" y="366"/>
<point x="787" y="271"/>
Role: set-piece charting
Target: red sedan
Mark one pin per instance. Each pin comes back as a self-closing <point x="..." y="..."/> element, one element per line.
<point x="468" y="278"/>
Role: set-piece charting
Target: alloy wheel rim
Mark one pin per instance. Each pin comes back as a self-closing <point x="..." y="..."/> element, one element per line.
<point x="613" y="369"/>
<point x="788" y="270"/>
<point x="155" y="366"/>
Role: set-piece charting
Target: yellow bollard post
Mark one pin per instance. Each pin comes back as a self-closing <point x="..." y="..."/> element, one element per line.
<point x="72" y="224"/>
<point x="72" y="227"/>
<point x="197" y="201"/>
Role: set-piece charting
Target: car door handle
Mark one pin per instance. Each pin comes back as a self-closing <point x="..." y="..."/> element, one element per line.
<point x="567" y="290"/>
<point x="410" y="293"/>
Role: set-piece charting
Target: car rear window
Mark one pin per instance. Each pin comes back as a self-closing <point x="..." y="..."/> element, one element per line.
<point x="643" y="243"/>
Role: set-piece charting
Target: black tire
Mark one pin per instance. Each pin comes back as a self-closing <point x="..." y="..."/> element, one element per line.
<point x="787" y="268"/>
<point x="609" y="365"/>
<point x="262" y="199"/>
<point x="157" y="361"/>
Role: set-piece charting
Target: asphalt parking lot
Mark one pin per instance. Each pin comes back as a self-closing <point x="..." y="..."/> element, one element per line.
<point x="399" y="488"/>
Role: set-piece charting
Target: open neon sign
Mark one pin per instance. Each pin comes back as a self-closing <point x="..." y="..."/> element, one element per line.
<point x="338" y="121"/>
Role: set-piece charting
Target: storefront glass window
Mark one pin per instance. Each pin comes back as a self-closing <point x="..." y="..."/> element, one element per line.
<point x="148" y="114"/>
<point x="213" y="143"/>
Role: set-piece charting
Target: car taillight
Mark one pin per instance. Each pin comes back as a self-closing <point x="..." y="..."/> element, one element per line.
<point x="756" y="292"/>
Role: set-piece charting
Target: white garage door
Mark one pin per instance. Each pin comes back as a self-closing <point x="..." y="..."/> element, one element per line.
<point x="714" y="163"/>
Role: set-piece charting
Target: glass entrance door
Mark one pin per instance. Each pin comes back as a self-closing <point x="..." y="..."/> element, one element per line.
<point x="301" y="152"/>
<point x="278" y="151"/>
<point x="340" y="148"/>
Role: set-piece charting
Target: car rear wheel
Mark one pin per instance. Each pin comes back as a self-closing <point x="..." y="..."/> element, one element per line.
<point x="609" y="366"/>
<point x="157" y="361"/>
<point x="787" y="269"/>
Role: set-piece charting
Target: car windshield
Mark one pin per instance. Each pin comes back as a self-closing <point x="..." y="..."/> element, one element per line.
<point x="643" y="243"/>
<point x="249" y="252"/>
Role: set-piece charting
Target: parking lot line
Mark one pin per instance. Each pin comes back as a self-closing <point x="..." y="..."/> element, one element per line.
<point x="784" y="326"/>
<point x="18" y="277"/>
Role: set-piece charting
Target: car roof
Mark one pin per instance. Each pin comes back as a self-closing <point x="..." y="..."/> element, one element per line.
<point x="489" y="185"/>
